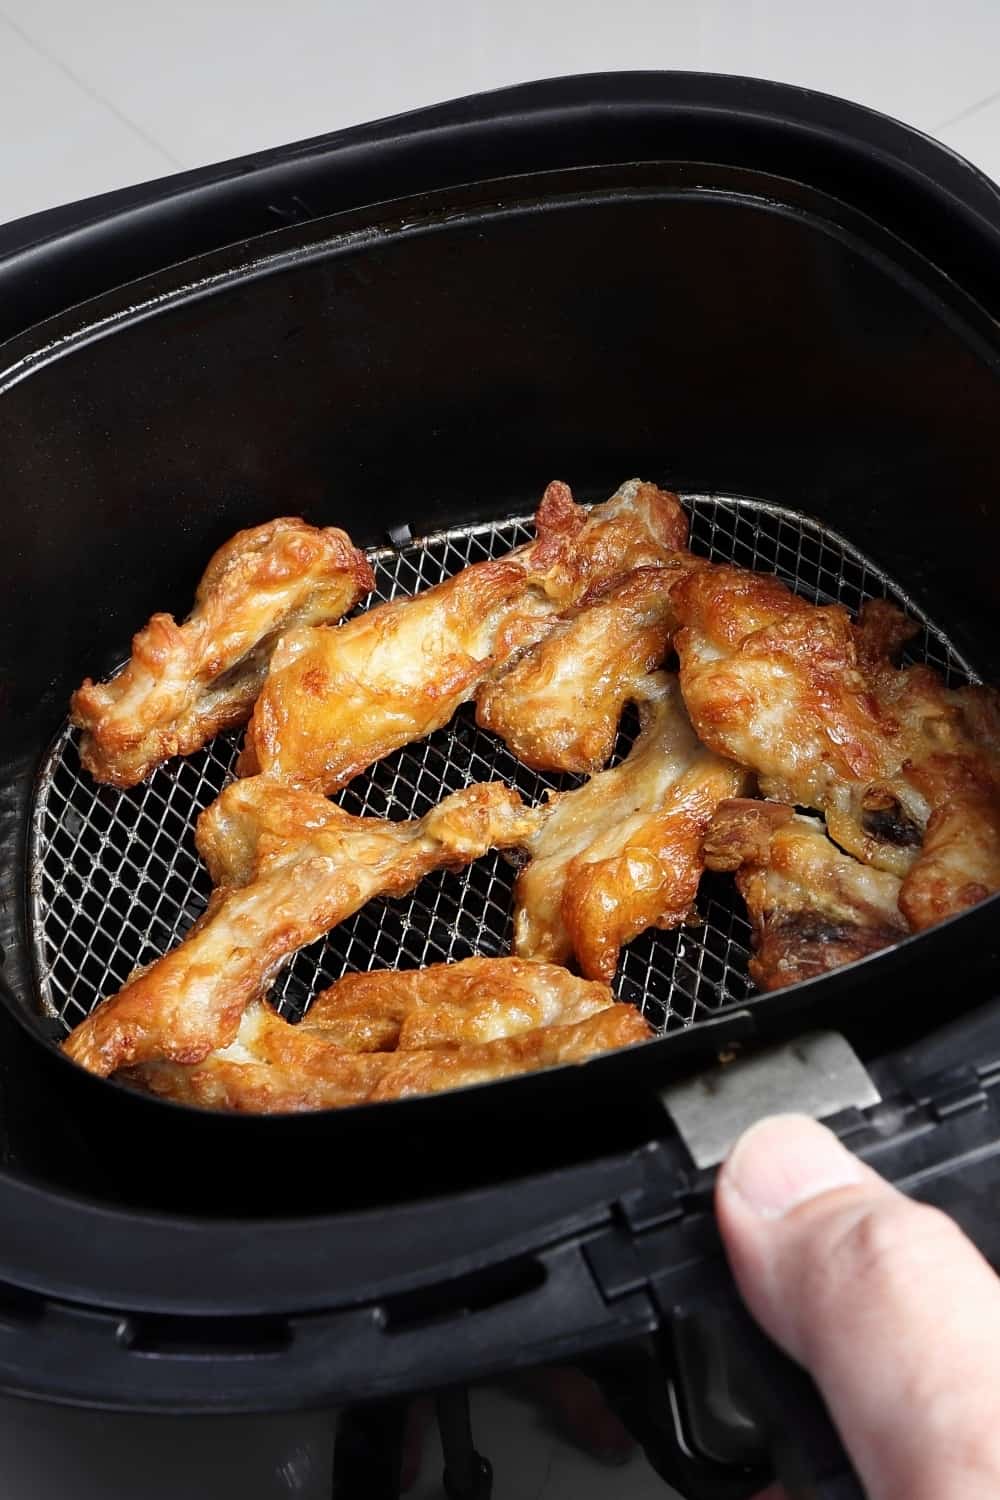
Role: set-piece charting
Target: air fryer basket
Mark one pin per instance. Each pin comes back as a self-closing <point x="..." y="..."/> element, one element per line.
<point x="431" y="365"/>
<point x="781" y="306"/>
<point x="115" y="880"/>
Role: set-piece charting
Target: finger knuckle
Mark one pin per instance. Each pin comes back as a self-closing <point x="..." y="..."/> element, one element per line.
<point x="884" y="1246"/>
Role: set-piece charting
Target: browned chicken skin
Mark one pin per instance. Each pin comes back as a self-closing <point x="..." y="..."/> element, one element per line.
<point x="389" y="1035"/>
<point x="812" y="907"/>
<point x="905" y="770"/>
<point x="185" y="683"/>
<point x="291" y="866"/>
<point x="558" y="706"/>
<point x="475" y="1000"/>
<point x="942" y="807"/>
<point x="336" y="700"/>
<point x="623" y="852"/>
<point x="774" y="682"/>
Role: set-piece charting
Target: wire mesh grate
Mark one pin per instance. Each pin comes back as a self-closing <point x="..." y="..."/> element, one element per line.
<point x="116" y="881"/>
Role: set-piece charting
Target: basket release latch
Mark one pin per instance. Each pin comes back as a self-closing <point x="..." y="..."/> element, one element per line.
<point x="818" y="1074"/>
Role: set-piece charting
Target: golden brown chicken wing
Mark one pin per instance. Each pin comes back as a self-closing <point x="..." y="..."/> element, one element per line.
<point x="558" y="706"/>
<point x="812" y="907"/>
<point x="185" y="683"/>
<point x="475" y="1000"/>
<point x="902" y="767"/>
<point x="623" y="852"/>
<point x="336" y="700"/>
<point x="388" y="1035"/>
<point x="943" y="806"/>
<point x="774" y="682"/>
<point x="292" y="866"/>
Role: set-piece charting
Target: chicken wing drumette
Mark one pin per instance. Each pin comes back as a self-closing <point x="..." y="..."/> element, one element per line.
<point x="185" y="683"/>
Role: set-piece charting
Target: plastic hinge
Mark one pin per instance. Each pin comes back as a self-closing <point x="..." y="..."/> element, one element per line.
<point x="955" y="1091"/>
<point x="989" y="1073"/>
<point x="847" y="1124"/>
<point x="614" y="1264"/>
<point x="886" y="1126"/>
<point x="654" y="1236"/>
<point x="648" y="1208"/>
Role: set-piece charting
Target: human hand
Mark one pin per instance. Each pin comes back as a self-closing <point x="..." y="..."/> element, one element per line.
<point x="893" y="1312"/>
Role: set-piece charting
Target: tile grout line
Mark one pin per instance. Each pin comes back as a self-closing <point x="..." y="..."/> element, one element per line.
<point x="969" y="111"/>
<point x="89" y="90"/>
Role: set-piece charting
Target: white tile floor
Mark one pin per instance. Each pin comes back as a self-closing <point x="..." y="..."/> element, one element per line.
<point x="95" y="94"/>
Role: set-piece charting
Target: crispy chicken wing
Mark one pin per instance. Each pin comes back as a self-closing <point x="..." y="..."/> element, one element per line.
<point x="558" y="706"/>
<point x="936" y="820"/>
<point x="623" y="852"/>
<point x="387" y="1035"/>
<point x="476" y="1000"/>
<point x="905" y="770"/>
<point x="336" y="700"/>
<point x="773" y="682"/>
<point x="812" y="907"/>
<point x="185" y="683"/>
<point x="291" y="866"/>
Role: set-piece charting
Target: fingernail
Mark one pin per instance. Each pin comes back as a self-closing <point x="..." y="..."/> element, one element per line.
<point x="786" y="1160"/>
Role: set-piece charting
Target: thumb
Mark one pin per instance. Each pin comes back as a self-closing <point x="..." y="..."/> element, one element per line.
<point x="892" y="1310"/>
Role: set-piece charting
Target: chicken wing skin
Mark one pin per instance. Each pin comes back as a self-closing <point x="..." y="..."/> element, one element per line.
<point x="475" y="1000"/>
<point x="300" y="866"/>
<point x="939" y="813"/>
<point x="958" y="862"/>
<point x="902" y="767"/>
<point x="558" y="706"/>
<point x="812" y="907"/>
<point x="774" y="682"/>
<point x="336" y="700"/>
<point x="623" y="852"/>
<point x="185" y="683"/>
<point x="388" y="1035"/>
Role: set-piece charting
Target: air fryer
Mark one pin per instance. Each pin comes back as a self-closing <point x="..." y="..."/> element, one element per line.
<point x="779" y="305"/>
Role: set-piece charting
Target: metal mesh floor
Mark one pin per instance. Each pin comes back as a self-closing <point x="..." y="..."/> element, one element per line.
<point x="115" y="880"/>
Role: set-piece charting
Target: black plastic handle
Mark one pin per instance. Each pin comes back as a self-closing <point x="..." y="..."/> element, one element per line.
<point x="542" y="1309"/>
<point x="742" y="1403"/>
